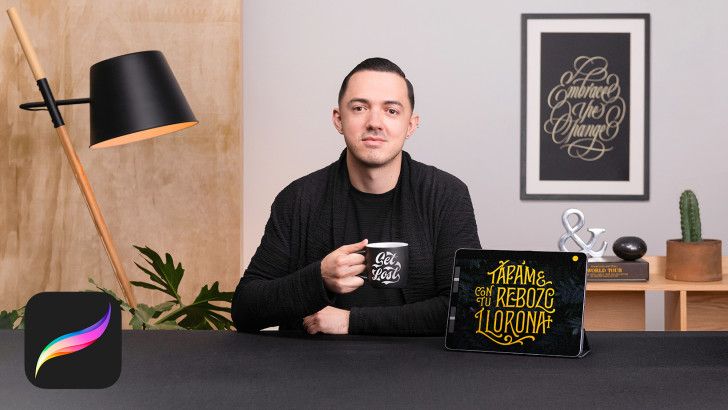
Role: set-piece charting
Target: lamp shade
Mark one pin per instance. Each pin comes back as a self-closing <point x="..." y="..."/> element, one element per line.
<point x="135" y="97"/>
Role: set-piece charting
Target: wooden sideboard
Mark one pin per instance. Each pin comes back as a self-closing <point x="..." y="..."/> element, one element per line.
<point x="688" y="305"/>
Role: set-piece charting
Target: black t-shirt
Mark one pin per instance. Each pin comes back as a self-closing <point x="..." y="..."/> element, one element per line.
<point x="369" y="216"/>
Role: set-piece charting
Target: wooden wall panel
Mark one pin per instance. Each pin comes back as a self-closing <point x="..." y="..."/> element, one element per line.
<point x="179" y="193"/>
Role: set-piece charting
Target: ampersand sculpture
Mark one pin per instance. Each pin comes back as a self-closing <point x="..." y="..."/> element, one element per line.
<point x="572" y="230"/>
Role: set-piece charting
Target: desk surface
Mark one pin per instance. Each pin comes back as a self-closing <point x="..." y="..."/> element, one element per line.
<point x="186" y="369"/>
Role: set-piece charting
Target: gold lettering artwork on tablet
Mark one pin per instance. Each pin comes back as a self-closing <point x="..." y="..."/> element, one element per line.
<point x="586" y="109"/>
<point x="517" y="304"/>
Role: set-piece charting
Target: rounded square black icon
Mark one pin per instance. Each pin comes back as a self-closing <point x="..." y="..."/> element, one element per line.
<point x="72" y="340"/>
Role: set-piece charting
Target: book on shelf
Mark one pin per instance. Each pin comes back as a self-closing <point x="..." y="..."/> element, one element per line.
<point x="614" y="269"/>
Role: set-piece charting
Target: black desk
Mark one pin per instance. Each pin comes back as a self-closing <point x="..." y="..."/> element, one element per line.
<point x="196" y="369"/>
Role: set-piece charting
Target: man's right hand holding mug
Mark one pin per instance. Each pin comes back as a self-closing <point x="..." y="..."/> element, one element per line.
<point x="340" y="268"/>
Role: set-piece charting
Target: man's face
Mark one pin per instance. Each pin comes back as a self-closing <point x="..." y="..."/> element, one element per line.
<point x="375" y="117"/>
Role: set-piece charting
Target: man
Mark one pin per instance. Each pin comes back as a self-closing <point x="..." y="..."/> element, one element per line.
<point x="304" y="273"/>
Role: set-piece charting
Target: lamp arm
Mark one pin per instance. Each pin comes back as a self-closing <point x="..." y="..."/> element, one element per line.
<point x="73" y="160"/>
<point x="41" y="105"/>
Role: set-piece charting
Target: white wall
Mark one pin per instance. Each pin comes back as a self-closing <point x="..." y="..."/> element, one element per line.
<point x="463" y="58"/>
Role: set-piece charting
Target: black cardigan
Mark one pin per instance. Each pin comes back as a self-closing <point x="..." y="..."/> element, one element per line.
<point x="433" y="213"/>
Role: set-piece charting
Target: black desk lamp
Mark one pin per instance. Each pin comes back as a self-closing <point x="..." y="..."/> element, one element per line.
<point x="133" y="97"/>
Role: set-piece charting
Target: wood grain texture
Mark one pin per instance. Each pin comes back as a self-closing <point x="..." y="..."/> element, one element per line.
<point x="674" y="311"/>
<point x="688" y="305"/>
<point x="615" y="311"/>
<point x="179" y="193"/>
<point x="707" y="311"/>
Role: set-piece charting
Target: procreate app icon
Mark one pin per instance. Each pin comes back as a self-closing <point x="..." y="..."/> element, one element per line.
<point x="72" y="340"/>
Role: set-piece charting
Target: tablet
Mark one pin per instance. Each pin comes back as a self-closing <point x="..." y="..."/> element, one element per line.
<point x="520" y="302"/>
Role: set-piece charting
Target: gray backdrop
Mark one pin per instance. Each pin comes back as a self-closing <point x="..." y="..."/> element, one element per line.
<point x="464" y="60"/>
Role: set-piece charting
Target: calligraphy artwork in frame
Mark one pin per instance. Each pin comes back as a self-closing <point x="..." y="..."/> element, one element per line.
<point x="585" y="106"/>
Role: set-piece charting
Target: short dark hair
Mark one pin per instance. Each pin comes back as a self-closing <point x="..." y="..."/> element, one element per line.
<point x="382" y="65"/>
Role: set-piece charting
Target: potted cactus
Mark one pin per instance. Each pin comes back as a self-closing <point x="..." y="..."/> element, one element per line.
<point x="692" y="258"/>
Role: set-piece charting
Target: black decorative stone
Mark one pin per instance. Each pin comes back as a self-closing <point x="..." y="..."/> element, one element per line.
<point x="629" y="248"/>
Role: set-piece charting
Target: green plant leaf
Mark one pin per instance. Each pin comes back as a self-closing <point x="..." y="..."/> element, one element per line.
<point x="163" y="307"/>
<point x="144" y="312"/>
<point x="165" y="277"/>
<point x="218" y="321"/>
<point x="7" y="319"/>
<point x="213" y="294"/>
<point x="195" y="320"/>
<point x="136" y="323"/>
<point x="201" y="313"/>
<point x="147" y="286"/>
<point x="142" y="316"/>
<point x="124" y="306"/>
<point x="166" y="326"/>
<point x="154" y="277"/>
<point x="167" y="274"/>
<point x="21" y="312"/>
<point x="13" y="319"/>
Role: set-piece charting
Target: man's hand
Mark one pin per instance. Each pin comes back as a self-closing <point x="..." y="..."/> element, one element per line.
<point x="340" y="267"/>
<point x="329" y="320"/>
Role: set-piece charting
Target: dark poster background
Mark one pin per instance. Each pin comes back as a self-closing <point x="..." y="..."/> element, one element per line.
<point x="559" y="52"/>
<point x="568" y="277"/>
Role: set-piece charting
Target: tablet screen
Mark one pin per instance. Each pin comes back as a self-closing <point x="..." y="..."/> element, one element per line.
<point x="517" y="302"/>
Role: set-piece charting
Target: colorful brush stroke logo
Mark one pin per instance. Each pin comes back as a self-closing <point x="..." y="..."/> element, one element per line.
<point x="85" y="358"/>
<point x="73" y="342"/>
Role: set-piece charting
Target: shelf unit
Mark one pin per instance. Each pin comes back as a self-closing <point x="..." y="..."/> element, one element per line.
<point x="688" y="305"/>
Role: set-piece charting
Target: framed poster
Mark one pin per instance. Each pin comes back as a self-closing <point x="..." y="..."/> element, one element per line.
<point x="585" y="106"/>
